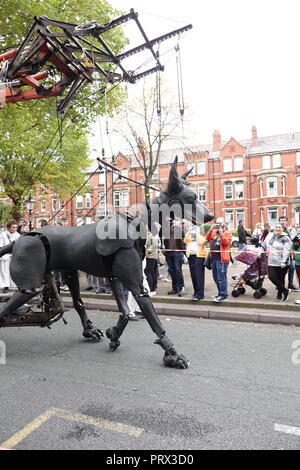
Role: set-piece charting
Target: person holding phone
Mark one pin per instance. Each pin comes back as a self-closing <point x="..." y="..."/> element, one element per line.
<point x="220" y="240"/>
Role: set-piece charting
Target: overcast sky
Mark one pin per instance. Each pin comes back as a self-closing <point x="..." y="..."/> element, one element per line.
<point x="240" y="62"/>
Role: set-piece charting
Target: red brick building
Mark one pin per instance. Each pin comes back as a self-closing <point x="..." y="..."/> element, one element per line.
<point x="256" y="180"/>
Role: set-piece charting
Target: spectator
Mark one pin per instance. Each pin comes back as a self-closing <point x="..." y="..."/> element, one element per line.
<point x="256" y="234"/>
<point x="165" y="273"/>
<point x="104" y="286"/>
<point x="174" y="256"/>
<point x="151" y="246"/>
<point x="220" y="239"/>
<point x="265" y="232"/>
<point x="43" y="223"/>
<point x="296" y="250"/>
<point x="293" y="228"/>
<point x="21" y="224"/>
<point x="24" y="229"/>
<point x="64" y="221"/>
<point x="283" y="220"/>
<point x="278" y="246"/>
<point x="242" y="234"/>
<point x="7" y="236"/>
<point x="90" y="282"/>
<point x="195" y="252"/>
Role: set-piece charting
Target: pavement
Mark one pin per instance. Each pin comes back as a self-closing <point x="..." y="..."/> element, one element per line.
<point x="243" y="308"/>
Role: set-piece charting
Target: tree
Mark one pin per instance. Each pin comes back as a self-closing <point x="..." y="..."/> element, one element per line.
<point x="5" y="210"/>
<point x="145" y="127"/>
<point x="36" y="145"/>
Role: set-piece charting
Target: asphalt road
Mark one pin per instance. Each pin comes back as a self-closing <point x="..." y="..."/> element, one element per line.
<point x="241" y="391"/>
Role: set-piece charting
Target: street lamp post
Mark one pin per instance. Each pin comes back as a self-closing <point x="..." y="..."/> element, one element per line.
<point x="30" y="203"/>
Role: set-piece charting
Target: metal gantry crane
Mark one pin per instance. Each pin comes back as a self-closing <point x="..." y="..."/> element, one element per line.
<point x="56" y="56"/>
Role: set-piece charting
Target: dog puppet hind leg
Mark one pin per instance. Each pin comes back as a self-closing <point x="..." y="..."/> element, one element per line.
<point x="89" y="330"/>
<point x="132" y="279"/>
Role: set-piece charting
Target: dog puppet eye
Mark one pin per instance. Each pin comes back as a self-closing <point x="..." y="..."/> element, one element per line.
<point x="191" y="199"/>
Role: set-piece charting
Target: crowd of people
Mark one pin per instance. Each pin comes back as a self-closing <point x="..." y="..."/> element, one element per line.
<point x="187" y="243"/>
<point x="213" y="250"/>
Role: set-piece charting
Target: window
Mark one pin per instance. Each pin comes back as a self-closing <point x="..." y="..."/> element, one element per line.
<point x="88" y="220"/>
<point x="298" y="185"/>
<point x="202" y="192"/>
<point x="155" y="176"/>
<point x="43" y="205"/>
<point x="79" y="202"/>
<point x="121" y="198"/>
<point x="88" y="200"/>
<point x="239" y="190"/>
<point x="228" y="194"/>
<point x="227" y="165"/>
<point x="277" y="160"/>
<point x="229" y="219"/>
<point x="266" y="162"/>
<point x="261" y="187"/>
<point x="238" y="164"/>
<point x="272" y="217"/>
<point x="55" y="203"/>
<point x="272" y="187"/>
<point x="101" y="197"/>
<point x="201" y="168"/>
<point x="189" y="166"/>
<point x="240" y="215"/>
<point x="102" y="177"/>
<point x="117" y="199"/>
<point x="283" y="185"/>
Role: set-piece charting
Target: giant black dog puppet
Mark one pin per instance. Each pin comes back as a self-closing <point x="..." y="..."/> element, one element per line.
<point x="92" y="249"/>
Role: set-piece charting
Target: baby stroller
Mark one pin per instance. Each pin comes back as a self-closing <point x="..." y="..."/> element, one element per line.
<point x="254" y="275"/>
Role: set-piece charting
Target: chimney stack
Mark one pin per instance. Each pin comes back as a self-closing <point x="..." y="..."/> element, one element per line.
<point x="254" y="137"/>
<point x="217" y="141"/>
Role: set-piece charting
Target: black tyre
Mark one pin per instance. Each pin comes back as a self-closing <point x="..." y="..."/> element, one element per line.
<point x="263" y="291"/>
<point x="235" y="244"/>
<point x="235" y="293"/>
<point x="242" y="290"/>
<point x="257" y="294"/>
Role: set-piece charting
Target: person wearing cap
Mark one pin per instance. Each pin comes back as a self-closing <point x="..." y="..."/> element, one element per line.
<point x="220" y="240"/>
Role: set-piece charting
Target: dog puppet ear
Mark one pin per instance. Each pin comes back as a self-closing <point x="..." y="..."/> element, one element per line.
<point x="186" y="174"/>
<point x="175" y="185"/>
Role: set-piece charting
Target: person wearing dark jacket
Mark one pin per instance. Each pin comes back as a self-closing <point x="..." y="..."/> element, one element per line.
<point x="283" y="220"/>
<point x="174" y="247"/>
<point x="242" y="234"/>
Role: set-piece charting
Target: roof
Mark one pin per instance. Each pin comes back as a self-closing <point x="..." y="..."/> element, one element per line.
<point x="266" y="145"/>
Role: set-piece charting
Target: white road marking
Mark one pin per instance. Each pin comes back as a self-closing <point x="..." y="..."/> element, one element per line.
<point x="287" y="429"/>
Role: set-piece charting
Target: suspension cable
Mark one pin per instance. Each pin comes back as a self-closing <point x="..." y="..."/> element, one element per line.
<point x="99" y="199"/>
<point x="75" y="194"/>
<point x="179" y="81"/>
